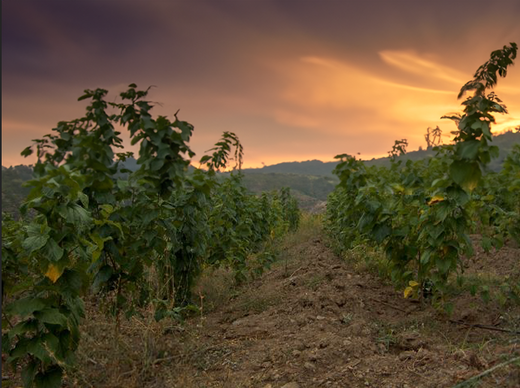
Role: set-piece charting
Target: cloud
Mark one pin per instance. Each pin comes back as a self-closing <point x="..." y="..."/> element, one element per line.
<point x="293" y="80"/>
<point x="411" y="62"/>
<point x="341" y="94"/>
<point x="296" y="119"/>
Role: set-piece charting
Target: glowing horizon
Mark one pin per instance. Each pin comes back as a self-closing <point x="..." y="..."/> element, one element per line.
<point x="308" y="87"/>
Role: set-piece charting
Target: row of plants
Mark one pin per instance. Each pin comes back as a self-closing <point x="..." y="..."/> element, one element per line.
<point x="90" y="226"/>
<point x="420" y="214"/>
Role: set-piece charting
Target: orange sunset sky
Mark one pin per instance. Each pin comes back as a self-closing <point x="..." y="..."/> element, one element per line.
<point x="295" y="80"/>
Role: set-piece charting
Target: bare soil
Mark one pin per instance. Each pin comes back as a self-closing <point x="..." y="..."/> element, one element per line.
<point x="316" y="320"/>
<point x="313" y="320"/>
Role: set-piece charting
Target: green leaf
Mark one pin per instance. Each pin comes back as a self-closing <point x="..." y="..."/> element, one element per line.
<point x="21" y="328"/>
<point x="28" y="373"/>
<point x="34" y="243"/>
<point x="51" y="378"/>
<point x="468" y="149"/>
<point x="466" y="174"/>
<point x="83" y="199"/>
<point x="147" y="123"/>
<point x="52" y="343"/>
<point x="485" y="243"/>
<point x="106" y="210"/>
<point x="27" y="151"/>
<point x="443" y="264"/>
<point x="122" y="184"/>
<point x="84" y="97"/>
<point x="435" y="231"/>
<point x="25" y="306"/>
<point x="52" y="251"/>
<point x="36" y="348"/>
<point x="425" y="257"/>
<point x="485" y="129"/>
<point x="76" y="215"/>
<point x="70" y="283"/>
<point x="52" y="316"/>
<point x="150" y="216"/>
<point x="38" y="235"/>
<point x="156" y="164"/>
<point x="381" y="232"/>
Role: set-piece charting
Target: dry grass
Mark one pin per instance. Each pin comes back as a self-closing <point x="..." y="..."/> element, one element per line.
<point x="133" y="355"/>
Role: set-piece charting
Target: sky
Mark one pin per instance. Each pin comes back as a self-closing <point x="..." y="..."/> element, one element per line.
<point x="295" y="80"/>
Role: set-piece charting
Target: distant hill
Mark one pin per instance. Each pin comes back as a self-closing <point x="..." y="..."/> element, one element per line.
<point x="310" y="181"/>
<point x="13" y="193"/>
<point x="310" y="167"/>
<point x="504" y="142"/>
<point x="309" y="190"/>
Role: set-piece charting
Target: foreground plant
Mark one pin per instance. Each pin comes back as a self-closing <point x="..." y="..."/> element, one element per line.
<point x="92" y="226"/>
<point x="420" y="214"/>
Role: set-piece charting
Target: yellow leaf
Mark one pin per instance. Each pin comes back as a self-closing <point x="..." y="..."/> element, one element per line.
<point x="413" y="283"/>
<point x="54" y="273"/>
<point x="408" y="291"/>
<point x="435" y="199"/>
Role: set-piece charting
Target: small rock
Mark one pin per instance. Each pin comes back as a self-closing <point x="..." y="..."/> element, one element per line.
<point x="320" y="318"/>
<point x="406" y="355"/>
<point x="301" y="346"/>
<point x="309" y="366"/>
<point x="292" y="384"/>
<point x="323" y="344"/>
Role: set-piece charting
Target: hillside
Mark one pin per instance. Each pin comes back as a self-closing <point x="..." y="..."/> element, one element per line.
<point x="310" y="191"/>
<point x="310" y="167"/>
<point x="315" y="167"/>
<point x="13" y="193"/>
<point x="310" y="181"/>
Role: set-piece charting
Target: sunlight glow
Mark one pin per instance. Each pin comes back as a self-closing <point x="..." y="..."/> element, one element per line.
<point x="411" y="62"/>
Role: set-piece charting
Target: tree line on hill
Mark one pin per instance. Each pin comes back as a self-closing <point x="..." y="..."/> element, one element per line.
<point x="310" y="181"/>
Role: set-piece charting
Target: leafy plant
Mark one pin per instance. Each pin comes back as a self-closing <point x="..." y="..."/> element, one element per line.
<point x="419" y="214"/>
<point x="133" y="239"/>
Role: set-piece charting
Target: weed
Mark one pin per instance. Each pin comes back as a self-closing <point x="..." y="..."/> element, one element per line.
<point x="347" y="318"/>
<point x="314" y="282"/>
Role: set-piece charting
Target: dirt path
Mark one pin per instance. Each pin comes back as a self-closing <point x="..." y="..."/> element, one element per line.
<point x="318" y="323"/>
<point x="313" y="320"/>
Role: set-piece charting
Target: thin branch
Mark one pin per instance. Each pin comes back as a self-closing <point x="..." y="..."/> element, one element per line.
<point x="485" y="327"/>
<point x="485" y="373"/>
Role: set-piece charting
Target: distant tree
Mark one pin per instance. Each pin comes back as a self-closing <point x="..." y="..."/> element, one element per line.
<point x="437" y="133"/>
<point x="433" y="137"/>
<point x="398" y="149"/>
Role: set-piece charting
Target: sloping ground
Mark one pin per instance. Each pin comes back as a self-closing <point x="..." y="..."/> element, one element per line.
<point x="313" y="320"/>
<point x="319" y="323"/>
